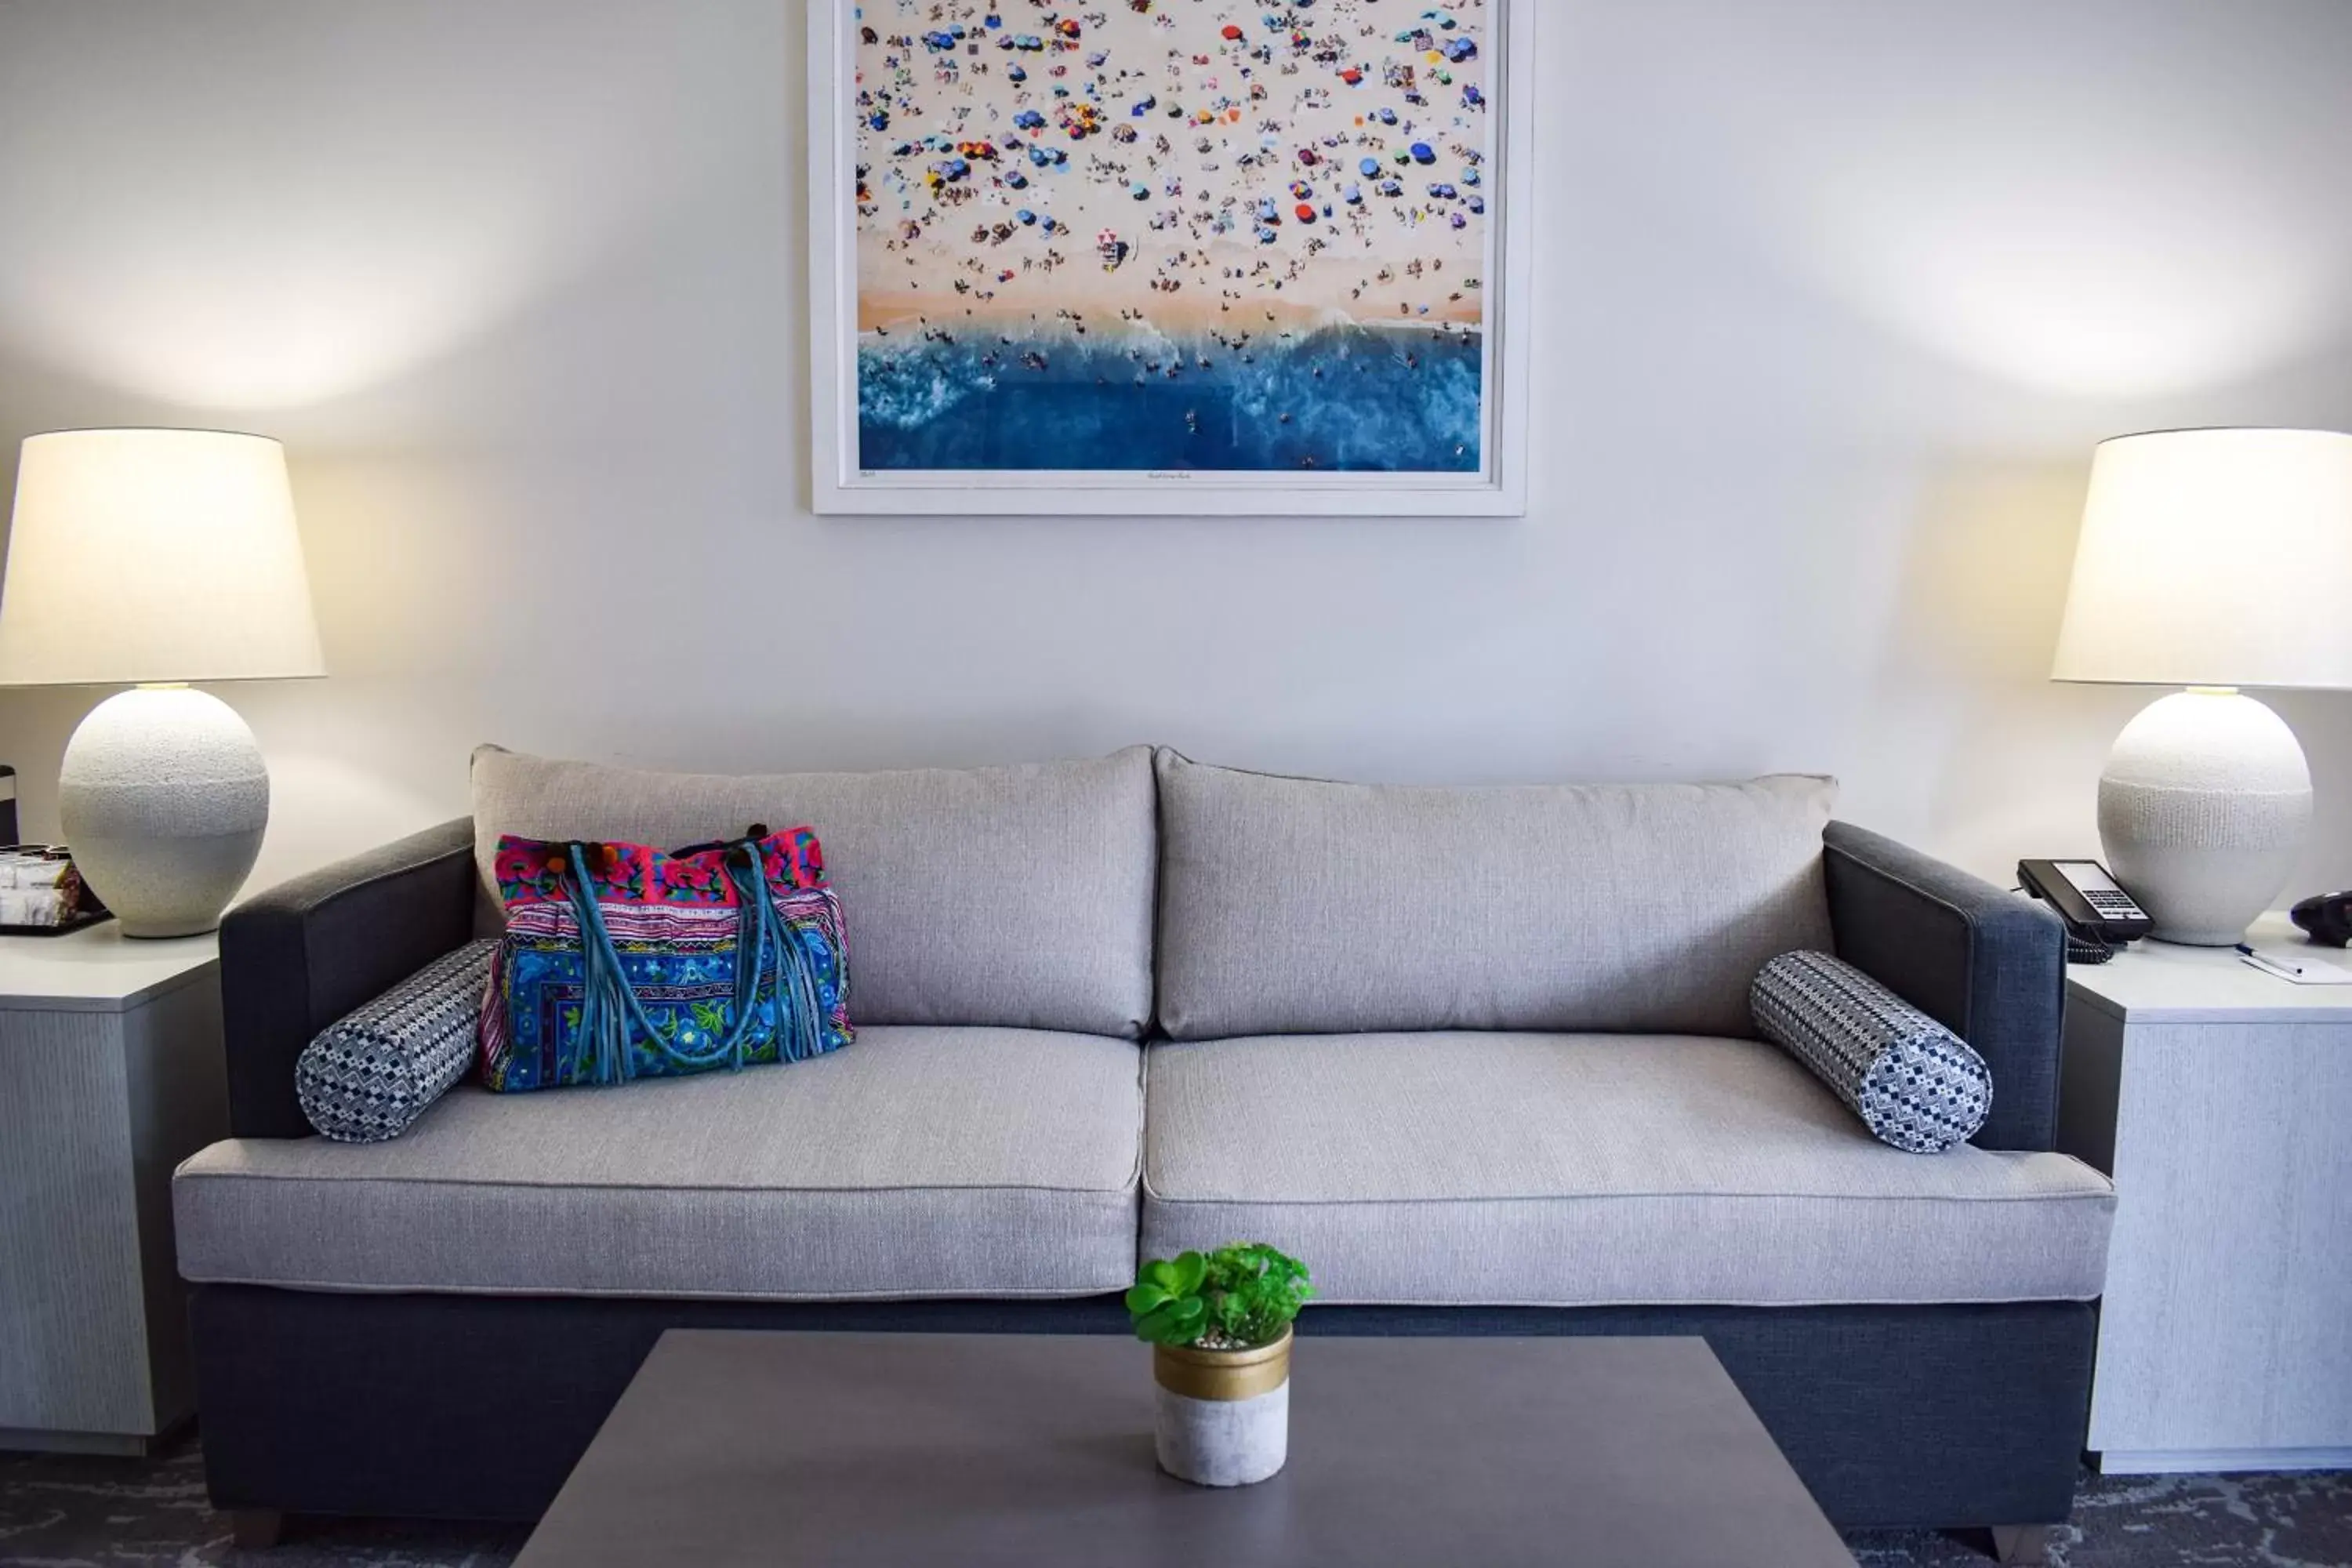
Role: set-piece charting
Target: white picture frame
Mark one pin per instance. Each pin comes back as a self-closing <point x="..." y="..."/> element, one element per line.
<point x="839" y="486"/>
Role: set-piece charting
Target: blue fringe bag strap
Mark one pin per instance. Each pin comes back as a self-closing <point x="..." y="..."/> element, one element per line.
<point x="610" y="1012"/>
<point x="799" y="1035"/>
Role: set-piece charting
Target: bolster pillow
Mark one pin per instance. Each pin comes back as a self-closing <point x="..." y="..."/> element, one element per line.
<point x="371" y="1072"/>
<point x="1915" y="1083"/>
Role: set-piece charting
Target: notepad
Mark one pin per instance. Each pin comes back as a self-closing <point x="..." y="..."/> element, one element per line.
<point x="2297" y="967"/>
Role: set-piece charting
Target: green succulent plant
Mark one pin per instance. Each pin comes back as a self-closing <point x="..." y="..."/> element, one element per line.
<point x="1236" y="1298"/>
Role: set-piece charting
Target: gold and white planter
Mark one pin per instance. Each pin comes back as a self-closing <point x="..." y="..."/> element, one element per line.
<point x="1224" y="1416"/>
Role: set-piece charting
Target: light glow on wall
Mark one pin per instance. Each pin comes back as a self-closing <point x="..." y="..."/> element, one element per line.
<point x="2111" y="199"/>
<point x="245" y="207"/>
<point x="2128" y="282"/>
<point x="241" y="311"/>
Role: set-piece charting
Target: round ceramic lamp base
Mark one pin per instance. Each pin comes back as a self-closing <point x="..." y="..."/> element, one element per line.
<point x="163" y="796"/>
<point x="2204" y="810"/>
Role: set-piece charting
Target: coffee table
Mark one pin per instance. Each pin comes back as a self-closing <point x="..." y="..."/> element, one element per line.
<point x="1035" y="1452"/>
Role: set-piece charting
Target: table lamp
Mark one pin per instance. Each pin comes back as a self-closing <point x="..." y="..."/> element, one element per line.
<point x="152" y="557"/>
<point x="2210" y="560"/>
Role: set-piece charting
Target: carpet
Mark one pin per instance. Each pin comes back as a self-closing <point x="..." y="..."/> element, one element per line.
<point x="75" y="1513"/>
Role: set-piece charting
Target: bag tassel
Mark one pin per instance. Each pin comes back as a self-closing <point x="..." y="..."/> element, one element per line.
<point x="797" y="1035"/>
<point x="611" y="1016"/>
<point x="608" y="1008"/>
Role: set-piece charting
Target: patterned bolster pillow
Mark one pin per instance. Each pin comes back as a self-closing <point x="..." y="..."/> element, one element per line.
<point x="370" y="1073"/>
<point x="1913" y="1083"/>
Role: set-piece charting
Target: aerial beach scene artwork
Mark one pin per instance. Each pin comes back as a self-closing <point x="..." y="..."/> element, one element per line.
<point x="1173" y="236"/>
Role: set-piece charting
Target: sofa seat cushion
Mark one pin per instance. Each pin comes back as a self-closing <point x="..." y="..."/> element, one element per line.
<point x="919" y="1162"/>
<point x="1591" y="1169"/>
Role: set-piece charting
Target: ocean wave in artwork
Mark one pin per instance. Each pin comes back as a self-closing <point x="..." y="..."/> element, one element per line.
<point x="1342" y="399"/>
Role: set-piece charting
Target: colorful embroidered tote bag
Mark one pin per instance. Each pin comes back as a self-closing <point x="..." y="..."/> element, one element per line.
<point x="621" y="961"/>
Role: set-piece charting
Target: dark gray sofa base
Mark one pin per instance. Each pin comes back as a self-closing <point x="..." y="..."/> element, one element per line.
<point x="477" y="1407"/>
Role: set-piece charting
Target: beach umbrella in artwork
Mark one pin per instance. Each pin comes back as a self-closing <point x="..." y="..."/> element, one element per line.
<point x="1370" y="167"/>
<point x="1306" y="213"/>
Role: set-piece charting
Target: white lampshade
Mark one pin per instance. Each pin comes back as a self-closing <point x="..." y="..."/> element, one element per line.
<point x="154" y="555"/>
<point x="2215" y="558"/>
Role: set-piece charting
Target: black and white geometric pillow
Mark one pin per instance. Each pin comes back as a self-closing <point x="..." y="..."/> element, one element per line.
<point x="369" y="1074"/>
<point x="1915" y="1083"/>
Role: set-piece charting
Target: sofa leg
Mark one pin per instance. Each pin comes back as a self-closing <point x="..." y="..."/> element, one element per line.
<point x="256" y="1529"/>
<point x="2021" y="1545"/>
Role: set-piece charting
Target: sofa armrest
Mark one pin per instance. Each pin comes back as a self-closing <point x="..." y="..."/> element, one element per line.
<point x="299" y="956"/>
<point x="1985" y="964"/>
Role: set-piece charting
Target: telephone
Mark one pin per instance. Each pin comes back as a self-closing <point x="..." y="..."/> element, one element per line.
<point x="2097" y="911"/>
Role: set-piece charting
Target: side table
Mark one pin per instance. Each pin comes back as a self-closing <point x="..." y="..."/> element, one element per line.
<point x="2219" y="1099"/>
<point x="110" y="1074"/>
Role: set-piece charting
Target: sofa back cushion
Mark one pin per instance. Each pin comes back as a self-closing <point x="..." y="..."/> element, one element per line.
<point x="1293" y="906"/>
<point x="1017" y="896"/>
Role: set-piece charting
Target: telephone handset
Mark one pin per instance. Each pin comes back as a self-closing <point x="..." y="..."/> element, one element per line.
<point x="2096" y="910"/>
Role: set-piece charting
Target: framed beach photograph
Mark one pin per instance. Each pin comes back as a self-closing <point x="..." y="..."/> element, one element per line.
<point x="1195" y="257"/>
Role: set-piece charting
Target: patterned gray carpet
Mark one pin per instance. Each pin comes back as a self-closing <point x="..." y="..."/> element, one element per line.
<point x="57" y="1512"/>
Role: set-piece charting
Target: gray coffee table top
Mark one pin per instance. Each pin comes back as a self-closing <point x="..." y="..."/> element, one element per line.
<point x="1034" y="1451"/>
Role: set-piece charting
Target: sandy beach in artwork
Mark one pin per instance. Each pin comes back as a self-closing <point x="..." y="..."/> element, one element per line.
<point x="1197" y="166"/>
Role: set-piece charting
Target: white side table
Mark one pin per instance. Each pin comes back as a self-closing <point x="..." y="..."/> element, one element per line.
<point x="111" y="1075"/>
<point x="2220" y="1098"/>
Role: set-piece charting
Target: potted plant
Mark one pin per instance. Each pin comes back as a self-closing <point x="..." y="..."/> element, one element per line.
<point x="1220" y="1328"/>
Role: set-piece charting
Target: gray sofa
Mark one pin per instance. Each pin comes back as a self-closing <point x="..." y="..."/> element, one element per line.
<point x="1481" y="1056"/>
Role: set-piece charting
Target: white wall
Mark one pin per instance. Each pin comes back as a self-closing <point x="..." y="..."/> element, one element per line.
<point x="1836" y="296"/>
